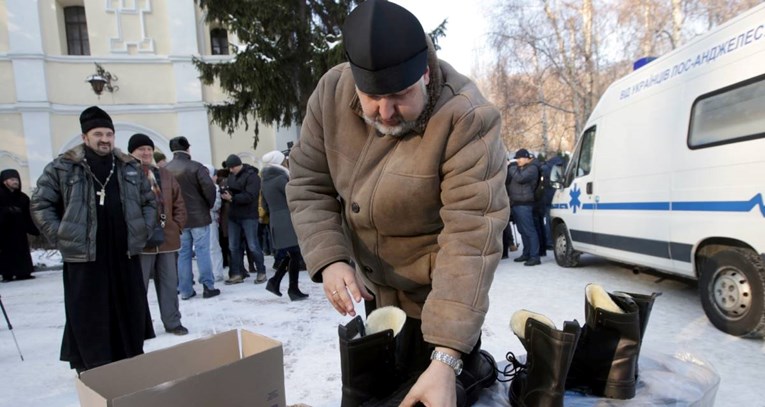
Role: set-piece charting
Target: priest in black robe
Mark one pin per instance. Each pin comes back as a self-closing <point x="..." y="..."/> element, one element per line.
<point x="15" y="224"/>
<point x="96" y="205"/>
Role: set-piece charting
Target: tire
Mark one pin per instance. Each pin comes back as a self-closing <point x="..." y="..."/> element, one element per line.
<point x="732" y="288"/>
<point x="565" y="255"/>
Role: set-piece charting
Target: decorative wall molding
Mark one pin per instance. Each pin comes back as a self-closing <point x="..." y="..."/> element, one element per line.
<point x="112" y="109"/>
<point x="15" y="157"/>
<point x="119" y="44"/>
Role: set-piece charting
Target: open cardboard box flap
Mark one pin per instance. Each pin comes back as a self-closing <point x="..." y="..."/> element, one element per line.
<point x="214" y="371"/>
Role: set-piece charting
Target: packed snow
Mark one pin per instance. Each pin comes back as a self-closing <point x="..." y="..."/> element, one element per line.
<point x="308" y="330"/>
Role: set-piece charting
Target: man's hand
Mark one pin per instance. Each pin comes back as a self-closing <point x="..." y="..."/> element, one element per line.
<point x="436" y="385"/>
<point x="342" y="288"/>
<point x="226" y="196"/>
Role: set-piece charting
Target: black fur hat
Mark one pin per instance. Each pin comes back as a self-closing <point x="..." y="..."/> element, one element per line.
<point x="94" y="117"/>
<point x="386" y="47"/>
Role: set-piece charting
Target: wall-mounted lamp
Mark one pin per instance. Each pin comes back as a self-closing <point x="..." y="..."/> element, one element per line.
<point x="102" y="79"/>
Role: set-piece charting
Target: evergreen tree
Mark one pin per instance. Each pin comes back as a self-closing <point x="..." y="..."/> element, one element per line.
<point x="284" y="47"/>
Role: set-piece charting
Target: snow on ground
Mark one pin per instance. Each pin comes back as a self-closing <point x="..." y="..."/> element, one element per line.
<point x="308" y="329"/>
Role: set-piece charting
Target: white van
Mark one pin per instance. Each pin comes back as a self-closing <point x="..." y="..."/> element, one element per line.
<point x="669" y="173"/>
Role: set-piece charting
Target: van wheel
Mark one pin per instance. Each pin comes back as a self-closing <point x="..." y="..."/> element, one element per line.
<point x="565" y="255"/>
<point x="731" y="286"/>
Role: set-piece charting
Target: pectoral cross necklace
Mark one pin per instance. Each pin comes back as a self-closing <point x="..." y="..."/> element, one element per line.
<point x="102" y="193"/>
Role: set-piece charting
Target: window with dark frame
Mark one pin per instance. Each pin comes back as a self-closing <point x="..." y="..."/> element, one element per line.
<point x="76" y="31"/>
<point x="728" y="115"/>
<point x="219" y="41"/>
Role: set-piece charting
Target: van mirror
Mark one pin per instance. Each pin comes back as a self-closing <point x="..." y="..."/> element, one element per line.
<point x="556" y="177"/>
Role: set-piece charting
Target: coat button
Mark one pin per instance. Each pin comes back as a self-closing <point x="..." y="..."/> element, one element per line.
<point x="355" y="207"/>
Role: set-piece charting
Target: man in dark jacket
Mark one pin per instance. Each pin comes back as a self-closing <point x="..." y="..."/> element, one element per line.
<point x="508" y="243"/>
<point x="523" y="181"/>
<point x="158" y="261"/>
<point x="199" y="196"/>
<point x="242" y="194"/>
<point x="96" y="206"/>
<point x="15" y="223"/>
<point x="539" y="204"/>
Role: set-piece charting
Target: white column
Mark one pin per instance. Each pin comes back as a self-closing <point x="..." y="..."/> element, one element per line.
<point x="24" y="17"/>
<point x="26" y="52"/>
<point x="37" y="131"/>
<point x="192" y="117"/>
<point x="183" y="39"/>
<point x="193" y="125"/>
<point x="183" y="27"/>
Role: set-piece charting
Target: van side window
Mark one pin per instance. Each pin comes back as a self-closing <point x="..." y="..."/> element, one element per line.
<point x="728" y="115"/>
<point x="581" y="162"/>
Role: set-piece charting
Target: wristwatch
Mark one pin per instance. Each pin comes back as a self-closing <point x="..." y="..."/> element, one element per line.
<point x="448" y="359"/>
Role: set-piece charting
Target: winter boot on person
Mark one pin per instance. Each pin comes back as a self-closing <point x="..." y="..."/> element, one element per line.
<point x="368" y="356"/>
<point x="540" y="382"/>
<point x="294" y="291"/>
<point x="273" y="283"/>
<point x="605" y="360"/>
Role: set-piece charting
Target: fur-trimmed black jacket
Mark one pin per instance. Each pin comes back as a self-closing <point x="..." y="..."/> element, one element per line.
<point x="64" y="206"/>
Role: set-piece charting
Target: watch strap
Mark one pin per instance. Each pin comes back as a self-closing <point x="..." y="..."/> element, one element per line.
<point x="449" y="360"/>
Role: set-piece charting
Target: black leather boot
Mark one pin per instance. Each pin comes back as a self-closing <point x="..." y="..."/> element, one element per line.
<point x="645" y="305"/>
<point x="479" y="369"/>
<point x="605" y="361"/>
<point x="294" y="291"/>
<point x="367" y="363"/>
<point x="540" y="382"/>
<point x="273" y="283"/>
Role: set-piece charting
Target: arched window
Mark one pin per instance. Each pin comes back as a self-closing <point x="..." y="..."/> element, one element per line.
<point x="219" y="41"/>
<point x="76" y="31"/>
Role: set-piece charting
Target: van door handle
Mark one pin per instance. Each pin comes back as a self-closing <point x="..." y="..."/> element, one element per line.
<point x="589" y="188"/>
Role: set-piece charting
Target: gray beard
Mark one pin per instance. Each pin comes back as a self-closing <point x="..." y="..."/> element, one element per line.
<point x="399" y="130"/>
<point x="403" y="128"/>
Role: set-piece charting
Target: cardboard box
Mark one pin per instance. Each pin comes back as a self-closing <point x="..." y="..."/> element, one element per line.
<point x="234" y="368"/>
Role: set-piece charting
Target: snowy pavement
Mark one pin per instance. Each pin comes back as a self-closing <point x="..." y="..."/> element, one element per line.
<point x="308" y="329"/>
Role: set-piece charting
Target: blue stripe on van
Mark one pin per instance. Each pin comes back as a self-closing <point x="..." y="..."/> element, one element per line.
<point x="722" y="206"/>
<point x="690" y="206"/>
<point x="638" y="206"/>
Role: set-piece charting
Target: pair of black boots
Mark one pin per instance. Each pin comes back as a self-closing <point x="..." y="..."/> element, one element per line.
<point x="284" y="266"/>
<point x="381" y="360"/>
<point x="600" y="358"/>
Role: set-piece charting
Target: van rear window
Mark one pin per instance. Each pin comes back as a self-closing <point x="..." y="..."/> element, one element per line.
<point x="728" y="115"/>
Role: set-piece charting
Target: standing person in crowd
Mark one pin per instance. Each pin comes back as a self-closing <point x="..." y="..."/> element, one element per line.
<point x="275" y="177"/>
<point x="199" y="195"/>
<point x="15" y="224"/>
<point x="216" y="254"/>
<point x="222" y="183"/>
<point x="96" y="206"/>
<point x="160" y="159"/>
<point x="523" y="182"/>
<point x="508" y="243"/>
<point x="264" y="234"/>
<point x="400" y="167"/>
<point x="242" y="193"/>
<point x="539" y="204"/>
<point x="159" y="262"/>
